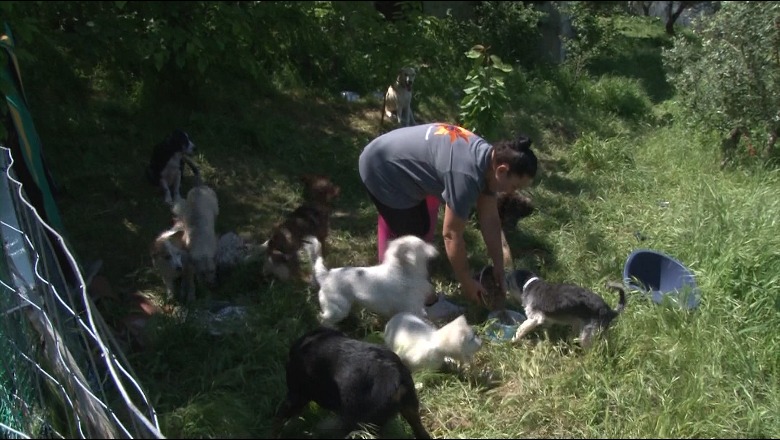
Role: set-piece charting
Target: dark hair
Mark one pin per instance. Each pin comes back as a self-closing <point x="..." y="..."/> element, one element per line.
<point x="517" y="154"/>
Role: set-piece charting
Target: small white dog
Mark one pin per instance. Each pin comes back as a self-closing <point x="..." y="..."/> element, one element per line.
<point x="423" y="347"/>
<point x="169" y="257"/>
<point x="198" y="213"/>
<point x="399" y="284"/>
<point x="398" y="98"/>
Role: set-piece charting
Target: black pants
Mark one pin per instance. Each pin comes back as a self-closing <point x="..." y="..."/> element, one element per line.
<point x="409" y="221"/>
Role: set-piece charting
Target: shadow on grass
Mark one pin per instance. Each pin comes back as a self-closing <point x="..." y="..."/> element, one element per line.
<point x="639" y="58"/>
<point x="252" y="156"/>
<point x="253" y="145"/>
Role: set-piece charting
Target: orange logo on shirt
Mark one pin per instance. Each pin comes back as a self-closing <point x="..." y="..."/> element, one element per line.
<point x="454" y="131"/>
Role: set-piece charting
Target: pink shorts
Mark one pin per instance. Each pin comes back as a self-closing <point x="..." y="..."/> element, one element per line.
<point x="385" y="235"/>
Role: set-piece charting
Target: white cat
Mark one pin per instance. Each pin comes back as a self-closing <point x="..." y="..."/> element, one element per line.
<point x="423" y="347"/>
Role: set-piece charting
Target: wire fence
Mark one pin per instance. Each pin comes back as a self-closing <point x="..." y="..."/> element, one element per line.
<point x="62" y="373"/>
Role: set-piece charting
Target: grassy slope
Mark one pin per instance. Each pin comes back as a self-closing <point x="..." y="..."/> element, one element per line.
<point x="661" y="372"/>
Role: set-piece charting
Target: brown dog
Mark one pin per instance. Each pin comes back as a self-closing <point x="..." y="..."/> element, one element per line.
<point x="311" y="218"/>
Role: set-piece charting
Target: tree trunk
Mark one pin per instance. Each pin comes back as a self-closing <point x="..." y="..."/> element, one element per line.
<point x="673" y="16"/>
<point x="646" y="8"/>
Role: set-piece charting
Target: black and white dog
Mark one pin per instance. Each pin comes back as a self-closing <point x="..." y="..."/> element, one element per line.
<point x="167" y="164"/>
<point x="566" y="304"/>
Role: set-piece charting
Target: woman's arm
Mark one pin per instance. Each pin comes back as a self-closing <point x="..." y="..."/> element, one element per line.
<point x="490" y="226"/>
<point x="455" y="245"/>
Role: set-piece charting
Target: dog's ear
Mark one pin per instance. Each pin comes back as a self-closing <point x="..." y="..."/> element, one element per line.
<point x="403" y="252"/>
<point x="431" y="251"/>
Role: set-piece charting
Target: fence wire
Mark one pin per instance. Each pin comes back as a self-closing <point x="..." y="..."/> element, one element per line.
<point x="62" y="374"/>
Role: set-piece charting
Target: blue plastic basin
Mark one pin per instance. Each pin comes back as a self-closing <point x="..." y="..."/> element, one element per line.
<point x="659" y="276"/>
<point x="498" y="331"/>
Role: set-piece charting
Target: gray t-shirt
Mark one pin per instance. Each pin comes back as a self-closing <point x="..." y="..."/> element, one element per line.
<point x="403" y="166"/>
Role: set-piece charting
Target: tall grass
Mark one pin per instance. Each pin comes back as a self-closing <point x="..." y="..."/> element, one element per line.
<point x="662" y="371"/>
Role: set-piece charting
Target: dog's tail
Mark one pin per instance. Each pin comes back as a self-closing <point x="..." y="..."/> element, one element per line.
<point x="622" y="291"/>
<point x="313" y="248"/>
<point x="178" y="226"/>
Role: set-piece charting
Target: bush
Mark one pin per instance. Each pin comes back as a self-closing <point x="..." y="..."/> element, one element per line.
<point x="625" y="97"/>
<point x="593" y="153"/>
<point x="727" y="73"/>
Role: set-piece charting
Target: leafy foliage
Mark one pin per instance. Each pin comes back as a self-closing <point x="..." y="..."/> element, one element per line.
<point x="486" y="97"/>
<point x="511" y="29"/>
<point x="727" y="73"/>
<point x="593" y="35"/>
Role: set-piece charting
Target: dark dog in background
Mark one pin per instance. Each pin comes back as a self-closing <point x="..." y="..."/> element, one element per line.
<point x="363" y="383"/>
<point x="511" y="208"/>
<point x="166" y="165"/>
<point x="312" y="217"/>
<point x="566" y="304"/>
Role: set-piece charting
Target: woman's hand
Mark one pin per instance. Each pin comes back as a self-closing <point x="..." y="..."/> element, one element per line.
<point x="474" y="291"/>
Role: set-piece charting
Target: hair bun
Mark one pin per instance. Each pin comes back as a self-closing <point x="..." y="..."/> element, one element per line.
<point x="522" y="143"/>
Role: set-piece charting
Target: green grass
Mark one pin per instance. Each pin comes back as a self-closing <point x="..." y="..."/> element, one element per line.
<point x="660" y="372"/>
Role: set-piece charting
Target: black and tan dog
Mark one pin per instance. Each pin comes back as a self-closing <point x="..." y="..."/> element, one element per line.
<point x="166" y="165"/>
<point x="566" y="304"/>
<point x="312" y="217"/>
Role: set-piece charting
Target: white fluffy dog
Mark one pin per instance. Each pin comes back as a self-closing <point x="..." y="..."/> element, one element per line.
<point x="198" y="213"/>
<point x="399" y="284"/>
<point x="421" y="346"/>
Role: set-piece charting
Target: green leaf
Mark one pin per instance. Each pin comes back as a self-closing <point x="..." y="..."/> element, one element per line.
<point x="473" y="54"/>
